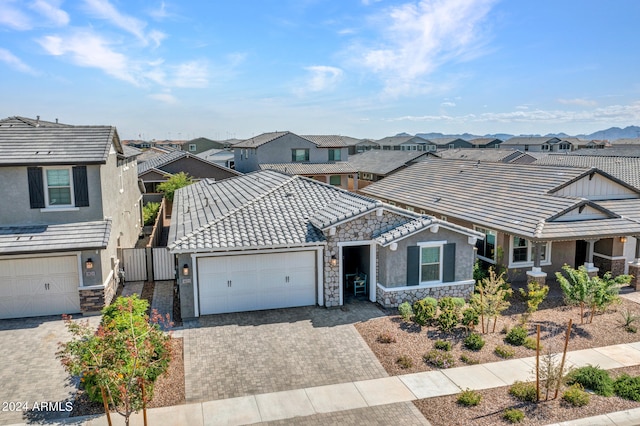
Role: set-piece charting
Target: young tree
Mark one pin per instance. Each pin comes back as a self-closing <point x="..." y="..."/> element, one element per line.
<point x="119" y="362"/>
<point x="491" y="299"/>
<point x="534" y="295"/>
<point x="606" y="291"/>
<point x="175" y="182"/>
<point x="577" y="287"/>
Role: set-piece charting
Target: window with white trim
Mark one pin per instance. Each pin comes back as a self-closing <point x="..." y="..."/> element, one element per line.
<point x="59" y="189"/>
<point x="335" y="180"/>
<point x="430" y="263"/>
<point x="487" y="247"/>
<point x="522" y="252"/>
<point x="192" y="147"/>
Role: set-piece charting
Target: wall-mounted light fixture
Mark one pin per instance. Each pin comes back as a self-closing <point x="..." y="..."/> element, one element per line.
<point x="88" y="264"/>
<point x="334" y="260"/>
<point x="623" y="240"/>
<point x="185" y="270"/>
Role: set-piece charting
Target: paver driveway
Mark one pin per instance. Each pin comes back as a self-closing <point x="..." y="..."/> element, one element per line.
<point x="232" y="355"/>
<point x="29" y="370"/>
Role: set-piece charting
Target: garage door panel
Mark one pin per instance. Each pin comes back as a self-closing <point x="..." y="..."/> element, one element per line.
<point x="39" y="286"/>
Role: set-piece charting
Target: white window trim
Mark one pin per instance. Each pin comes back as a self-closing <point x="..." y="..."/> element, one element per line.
<point x="495" y="252"/>
<point x="528" y="263"/>
<point x="425" y="244"/>
<point x="59" y="207"/>
<point x="192" y="147"/>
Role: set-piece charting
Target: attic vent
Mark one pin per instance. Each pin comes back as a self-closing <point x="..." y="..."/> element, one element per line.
<point x="438" y="198"/>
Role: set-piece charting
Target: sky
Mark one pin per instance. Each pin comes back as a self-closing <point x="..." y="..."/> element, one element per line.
<point x="361" y="68"/>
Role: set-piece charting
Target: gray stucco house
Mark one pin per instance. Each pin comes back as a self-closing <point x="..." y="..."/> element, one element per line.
<point x="269" y="240"/>
<point x="70" y="201"/>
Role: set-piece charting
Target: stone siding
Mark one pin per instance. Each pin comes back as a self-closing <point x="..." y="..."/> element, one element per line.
<point x="94" y="299"/>
<point x="391" y="298"/>
<point x="616" y="266"/>
<point x="634" y="270"/>
<point x="360" y="229"/>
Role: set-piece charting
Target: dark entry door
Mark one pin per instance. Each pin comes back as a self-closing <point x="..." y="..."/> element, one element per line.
<point x="581" y="253"/>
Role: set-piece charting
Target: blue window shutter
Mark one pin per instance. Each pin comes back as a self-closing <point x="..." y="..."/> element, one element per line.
<point x="36" y="187"/>
<point x="449" y="263"/>
<point x="413" y="265"/>
<point x="80" y="186"/>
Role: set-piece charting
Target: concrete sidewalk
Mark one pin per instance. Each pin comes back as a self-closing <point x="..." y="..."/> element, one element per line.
<point x="391" y="392"/>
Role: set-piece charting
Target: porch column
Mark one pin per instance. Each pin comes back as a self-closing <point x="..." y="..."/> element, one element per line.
<point x="591" y="269"/>
<point x="536" y="274"/>
<point x="355" y="181"/>
<point x="634" y="266"/>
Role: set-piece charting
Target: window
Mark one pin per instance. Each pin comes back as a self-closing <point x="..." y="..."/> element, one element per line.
<point x="192" y="147"/>
<point x="334" y="155"/>
<point x="411" y="209"/>
<point x="335" y="180"/>
<point x="526" y="148"/>
<point x="545" y="147"/>
<point x="430" y="263"/>
<point x="299" y="154"/>
<point x="366" y="176"/>
<point x="522" y="252"/>
<point x="564" y="147"/>
<point x="58" y="187"/>
<point x="432" y="147"/>
<point x="487" y="247"/>
<point x="392" y="203"/>
<point x="451" y="146"/>
<point x="444" y="218"/>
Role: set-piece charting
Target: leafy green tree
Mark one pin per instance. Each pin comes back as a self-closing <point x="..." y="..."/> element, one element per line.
<point x="149" y="213"/>
<point x="175" y="182"/>
<point x="534" y="295"/>
<point x="577" y="287"/>
<point x="606" y="291"/>
<point x="490" y="300"/>
<point x="119" y="362"/>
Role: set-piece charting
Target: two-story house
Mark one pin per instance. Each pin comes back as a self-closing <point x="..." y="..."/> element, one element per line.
<point x="321" y="157"/>
<point x="406" y="143"/>
<point x="538" y="144"/>
<point x="70" y="201"/>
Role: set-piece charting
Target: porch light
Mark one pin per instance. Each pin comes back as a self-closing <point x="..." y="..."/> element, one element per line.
<point x="623" y="240"/>
<point x="88" y="264"/>
<point x="185" y="270"/>
<point x="334" y="261"/>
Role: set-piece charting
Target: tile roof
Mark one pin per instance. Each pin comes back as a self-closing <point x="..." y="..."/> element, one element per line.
<point x="24" y="145"/>
<point x="624" y="168"/>
<point x="164" y="159"/>
<point x="267" y="209"/>
<point x="130" y="151"/>
<point x="311" y="168"/>
<point x="483" y="141"/>
<point x="529" y="140"/>
<point x="516" y="199"/>
<point x="327" y="141"/>
<point x="29" y="122"/>
<point x="614" y="151"/>
<point x="490" y="154"/>
<point x="399" y="140"/>
<point x="51" y="238"/>
<point x="383" y="162"/>
<point x="259" y="140"/>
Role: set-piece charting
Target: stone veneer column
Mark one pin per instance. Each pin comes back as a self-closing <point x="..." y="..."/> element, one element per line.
<point x="634" y="267"/>
<point x="592" y="271"/>
<point x="536" y="274"/>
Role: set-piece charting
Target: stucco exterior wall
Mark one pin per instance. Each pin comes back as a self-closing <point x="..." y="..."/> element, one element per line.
<point x="185" y="286"/>
<point x="197" y="169"/>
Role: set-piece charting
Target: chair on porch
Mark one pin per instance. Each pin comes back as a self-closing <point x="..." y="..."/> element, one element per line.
<point x="360" y="284"/>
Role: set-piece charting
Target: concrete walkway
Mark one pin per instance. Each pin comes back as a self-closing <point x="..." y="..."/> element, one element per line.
<point x="314" y="405"/>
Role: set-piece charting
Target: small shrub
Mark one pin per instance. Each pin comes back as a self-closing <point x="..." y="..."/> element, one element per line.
<point x="534" y="295"/>
<point x="516" y="336"/>
<point x="439" y="359"/>
<point x="458" y="302"/>
<point x="523" y="391"/>
<point x="470" y="318"/>
<point x="468" y="360"/>
<point x="442" y="345"/>
<point x="424" y="311"/>
<point x="405" y="310"/>
<point x="627" y="387"/>
<point x="448" y="303"/>
<point x="576" y="396"/>
<point x="404" y="362"/>
<point x="448" y="319"/>
<point x="386" y="338"/>
<point x="530" y="343"/>
<point x="593" y="378"/>
<point x="149" y="213"/>
<point x="474" y="341"/>
<point x="469" y="398"/>
<point x="504" y="351"/>
<point x="628" y="320"/>
<point x="513" y="415"/>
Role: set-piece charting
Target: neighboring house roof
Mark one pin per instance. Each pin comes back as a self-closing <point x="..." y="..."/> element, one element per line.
<point x="623" y="168"/>
<point x="530" y="140"/>
<point x="321" y="141"/>
<point x="614" y="151"/>
<point x="381" y="162"/>
<point x="484" y="141"/>
<point x="26" y="145"/>
<point x="216" y="154"/>
<point x="516" y="199"/>
<point x="327" y="141"/>
<point x="259" y="140"/>
<point x="153" y="152"/>
<point x="355" y="141"/>
<point x="399" y="140"/>
<point x="52" y="238"/>
<point x="130" y="151"/>
<point x="170" y="157"/>
<point x="268" y="209"/>
<point x="308" y="169"/>
<point x="446" y="141"/>
<point x="626" y="141"/>
<point x="30" y="122"/>
<point x="489" y="154"/>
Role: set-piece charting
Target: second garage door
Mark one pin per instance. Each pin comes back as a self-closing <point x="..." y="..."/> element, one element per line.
<point x="255" y="282"/>
<point x="32" y="287"/>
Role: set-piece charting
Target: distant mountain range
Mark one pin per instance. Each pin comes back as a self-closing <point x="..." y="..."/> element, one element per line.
<point x="611" y="134"/>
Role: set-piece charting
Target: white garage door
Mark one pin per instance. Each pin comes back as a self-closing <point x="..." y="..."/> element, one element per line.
<point x="39" y="286"/>
<point x="255" y="282"/>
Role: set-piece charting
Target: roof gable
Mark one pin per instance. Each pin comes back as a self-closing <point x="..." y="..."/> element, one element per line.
<point x="595" y="184"/>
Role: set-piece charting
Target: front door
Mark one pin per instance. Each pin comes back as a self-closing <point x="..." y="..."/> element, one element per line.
<point x="581" y="253"/>
<point x="356" y="271"/>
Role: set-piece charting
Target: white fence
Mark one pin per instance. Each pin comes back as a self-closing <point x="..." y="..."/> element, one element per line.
<point x="148" y="264"/>
<point x="164" y="264"/>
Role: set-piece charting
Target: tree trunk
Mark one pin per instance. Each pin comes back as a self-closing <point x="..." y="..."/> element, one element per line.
<point x="581" y="312"/>
<point x="106" y="406"/>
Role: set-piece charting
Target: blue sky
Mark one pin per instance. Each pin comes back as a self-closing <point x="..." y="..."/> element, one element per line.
<point x="363" y="68"/>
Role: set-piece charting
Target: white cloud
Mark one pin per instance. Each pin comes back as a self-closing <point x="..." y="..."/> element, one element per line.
<point x="192" y="74"/>
<point x="578" y="101"/>
<point x="52" y="11"/>
<point x="166" y="98"/>
<point x="320" y="78"/>
<point x="160" y="13"/>
<point x="448" y="104"/>
<point x="87" y="49"/>
<point x="13" y="17"/>
<point x="418" y="37"/>
<point x="15" y="62"/>
<point x="105" y="10"/>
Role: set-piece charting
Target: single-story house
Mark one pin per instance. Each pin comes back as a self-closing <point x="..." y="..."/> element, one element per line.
<point x="268" y="240"/>
<point x="537" y="217"/>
